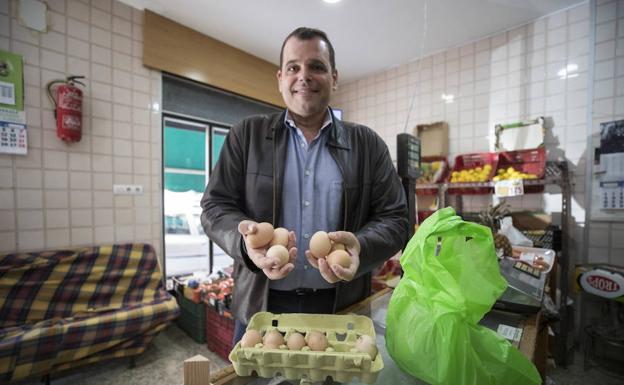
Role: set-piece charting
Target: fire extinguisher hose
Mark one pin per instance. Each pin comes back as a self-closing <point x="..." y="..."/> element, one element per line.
<point x="49" y="87"/>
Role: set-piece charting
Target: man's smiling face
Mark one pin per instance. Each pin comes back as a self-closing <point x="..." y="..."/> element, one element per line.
<point x="306" y="79"/>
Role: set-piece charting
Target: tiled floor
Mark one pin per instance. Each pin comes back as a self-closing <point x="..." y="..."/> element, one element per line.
<point x="162" y="364"/>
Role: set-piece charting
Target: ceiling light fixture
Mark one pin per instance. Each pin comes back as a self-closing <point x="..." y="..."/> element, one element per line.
<point x="331" y="1"/>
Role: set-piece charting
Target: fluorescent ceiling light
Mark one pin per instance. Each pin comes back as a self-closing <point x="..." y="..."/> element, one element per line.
<point x="331" y="1"/>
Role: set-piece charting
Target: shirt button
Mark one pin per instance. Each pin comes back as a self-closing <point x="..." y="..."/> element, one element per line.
<point x="305" y="267"/>
<point x="308" y="172"/>
<point x="306" y="203"/>
<point x="306" y="235"/>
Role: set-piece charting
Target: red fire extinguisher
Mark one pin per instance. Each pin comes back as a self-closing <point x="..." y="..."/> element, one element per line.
<point x="67" y="100"/>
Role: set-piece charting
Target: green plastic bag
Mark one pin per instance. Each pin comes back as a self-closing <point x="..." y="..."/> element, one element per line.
<point x="451" y="280"/>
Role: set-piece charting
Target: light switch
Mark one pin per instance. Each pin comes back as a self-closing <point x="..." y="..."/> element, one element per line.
<point x="128" y="189"/>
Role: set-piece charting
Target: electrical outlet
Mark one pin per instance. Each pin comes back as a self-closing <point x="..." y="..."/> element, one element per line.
<point x="128" y="189"/>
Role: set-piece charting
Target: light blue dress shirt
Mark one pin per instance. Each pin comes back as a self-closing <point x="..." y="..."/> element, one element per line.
<point x="312" y="194"/>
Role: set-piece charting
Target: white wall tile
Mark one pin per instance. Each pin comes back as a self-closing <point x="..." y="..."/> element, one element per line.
<point x="101" y="73"/>
<point x="104" y="5"/>
<point x="578" y="13"/>
<point x="56" y="218"/>
<point x="58" y="22"/>
<point x="101" y="55"/>
<point x="80" y="180"/>
<point x="80" y="67"/>
<point x="605" y="51"/>
<point x="101" y="19"/>
<point x="102" y="180"/>
<point x="28" y="178"/>
<point x="23" y="34"/>
<point x="80" y="199"/>
<point x="56" y="199"/>
<point x="81" y="217"/>
<point x="82" y="235"/>
<point x="30" y="52"/>
<point x="78" y="10"/>
<point x="101" y="37"/>
<point x="7" y="220"/>
<point x="103" y="199"/>
<point x="77" y="29"/>
<point x="53" y="41"/>
<point x="30" y="240"/>
<point x="122" y="26"/>
<point x="104" y="234"/>
<point x="122" y="61"/>
<point x="122" y="10"/>
<point x="29" y="219"/>
<point x="29" y="199"/>
<point x="103" y="217"/>
<point x="606" y="12"/>
<point x="124" y="233"/>
<point x="57" y="238"/>
<point x="122" y="44"/>
<point x="80" y="162"/>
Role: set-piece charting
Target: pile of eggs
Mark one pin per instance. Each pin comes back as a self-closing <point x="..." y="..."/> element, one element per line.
<point x="321" y="246"/>
<point x="314" y="340"/>
<point x="276" y="239"/>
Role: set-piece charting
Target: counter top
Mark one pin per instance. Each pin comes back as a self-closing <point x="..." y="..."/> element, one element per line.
<point x="376" y="307"/>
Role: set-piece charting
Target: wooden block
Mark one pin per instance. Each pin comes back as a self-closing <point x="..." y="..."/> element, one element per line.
<point x="197" y="371"/>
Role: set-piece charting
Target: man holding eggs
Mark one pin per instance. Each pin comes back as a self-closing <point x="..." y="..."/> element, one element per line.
<point x="306" y="172"/>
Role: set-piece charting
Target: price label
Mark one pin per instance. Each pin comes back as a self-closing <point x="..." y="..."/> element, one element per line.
<point x="509" y="188"/>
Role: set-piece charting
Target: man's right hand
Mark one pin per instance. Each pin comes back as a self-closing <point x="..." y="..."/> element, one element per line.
<point x="258" y="255"/>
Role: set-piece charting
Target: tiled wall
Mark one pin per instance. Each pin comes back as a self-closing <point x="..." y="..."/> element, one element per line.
<point x="606" y="240"/>
<point x="513" y="75"/>
<point x="61" y="194"/>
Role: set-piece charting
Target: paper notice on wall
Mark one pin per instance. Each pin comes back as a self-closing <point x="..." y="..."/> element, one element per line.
<point x="608" y="177"/>
<point x="13" y="138"/>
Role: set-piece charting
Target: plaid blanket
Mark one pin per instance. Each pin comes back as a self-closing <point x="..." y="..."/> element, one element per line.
<point x="64" y="308"/>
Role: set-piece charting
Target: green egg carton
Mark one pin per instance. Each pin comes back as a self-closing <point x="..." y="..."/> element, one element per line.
<point x="340" y="360"/>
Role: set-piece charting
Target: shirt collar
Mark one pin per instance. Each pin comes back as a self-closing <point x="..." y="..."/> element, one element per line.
<point x="291" y="123"/>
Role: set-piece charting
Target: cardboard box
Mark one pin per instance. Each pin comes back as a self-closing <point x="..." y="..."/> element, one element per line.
<point x="434" y="139"/>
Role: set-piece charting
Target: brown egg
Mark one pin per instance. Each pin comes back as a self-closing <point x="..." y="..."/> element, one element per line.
<point x="317" y="341"/>
<point x="320" y="244"/>
<point x="279" y="252"/>
<point x="366" y="344"/>
<point x="280" y="237"/>
<point x="251" y="338"/>
<point x="273" y="339"/>
<point x="339" y="257"/>
<point x="338" y="246"/>
<point x="295" y="341"/>
<point x="262" y="236"/>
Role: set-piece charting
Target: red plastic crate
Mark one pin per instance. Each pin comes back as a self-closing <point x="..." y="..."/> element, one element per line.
<point x="440" y="179"/>
<point x="422" y="215"/>
<point x="219" y="333"/>
<point x="469" y="161"/>
<point x="532" y="161"/>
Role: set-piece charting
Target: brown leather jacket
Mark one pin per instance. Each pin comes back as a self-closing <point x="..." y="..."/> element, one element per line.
<point x="247" y="184"/>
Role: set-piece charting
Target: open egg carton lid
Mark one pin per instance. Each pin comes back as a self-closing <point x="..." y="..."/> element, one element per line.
<point x="340" y="360"/>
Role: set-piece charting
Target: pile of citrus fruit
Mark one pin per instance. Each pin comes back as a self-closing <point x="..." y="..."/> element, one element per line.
<point x="512" y="173"/>
<point x="477" y="174"/>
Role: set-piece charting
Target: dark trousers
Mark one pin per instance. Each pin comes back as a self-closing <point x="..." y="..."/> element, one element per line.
<point x="308" y="301"/>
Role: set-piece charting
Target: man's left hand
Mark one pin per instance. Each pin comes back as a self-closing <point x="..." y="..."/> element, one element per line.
<point x="335" y="273"/>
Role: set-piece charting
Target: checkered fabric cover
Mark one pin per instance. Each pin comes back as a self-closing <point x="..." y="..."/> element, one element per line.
<point x="64" y="308"/>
